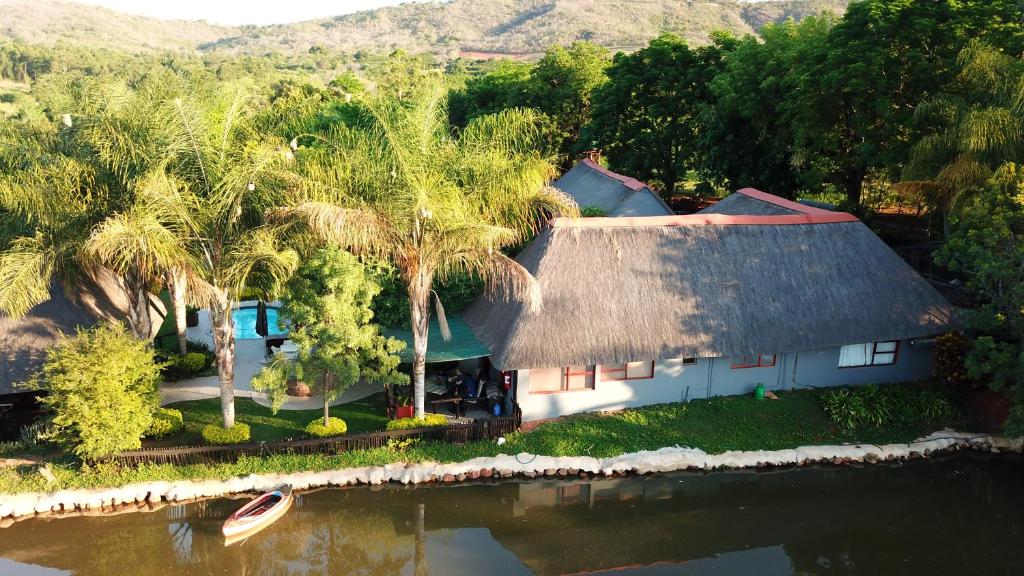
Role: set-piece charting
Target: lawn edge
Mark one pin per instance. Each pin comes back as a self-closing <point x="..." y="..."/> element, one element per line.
<point x="145" y="495"/>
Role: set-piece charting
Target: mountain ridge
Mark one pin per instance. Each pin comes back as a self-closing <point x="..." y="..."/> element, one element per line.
<point x="482" y="28"/>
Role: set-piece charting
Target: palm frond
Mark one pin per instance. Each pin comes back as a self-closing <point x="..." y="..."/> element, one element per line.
<point x="258" y="252"/>
<point x="357" y="229"/>
<point x="26" y="271"/>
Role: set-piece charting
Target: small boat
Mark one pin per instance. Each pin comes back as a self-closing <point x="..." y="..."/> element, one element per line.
<point x="257" y="514"/>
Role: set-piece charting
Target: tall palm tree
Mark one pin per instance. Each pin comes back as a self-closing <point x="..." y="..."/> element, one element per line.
<point x="62" y="180"/>
<point x="406" y="189"/>
<point x="971" y="131"/>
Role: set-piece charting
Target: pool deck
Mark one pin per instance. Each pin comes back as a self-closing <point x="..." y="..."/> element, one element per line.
<point x="249" y="356"/>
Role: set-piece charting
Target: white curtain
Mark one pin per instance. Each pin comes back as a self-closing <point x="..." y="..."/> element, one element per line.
<point x="855" y="355"/>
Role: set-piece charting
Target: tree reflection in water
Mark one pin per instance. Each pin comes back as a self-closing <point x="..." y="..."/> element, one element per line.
<point x="958" y="515"/>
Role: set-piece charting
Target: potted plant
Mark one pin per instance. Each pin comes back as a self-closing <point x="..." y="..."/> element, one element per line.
<point x="191" y="316"/>
<point x="298" y="388"/>
<point x="403" y="403"/>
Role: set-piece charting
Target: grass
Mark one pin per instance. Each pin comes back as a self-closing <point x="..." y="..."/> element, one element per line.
<point x="364" y="415"/>
<point x="714" y="425"/>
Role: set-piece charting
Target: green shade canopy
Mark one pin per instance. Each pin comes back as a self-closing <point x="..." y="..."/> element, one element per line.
<point x="463" y="344"/>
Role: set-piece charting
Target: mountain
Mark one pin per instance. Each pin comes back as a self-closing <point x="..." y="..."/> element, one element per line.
<point x="52" y="21"/>
<point x="481" y="28"/>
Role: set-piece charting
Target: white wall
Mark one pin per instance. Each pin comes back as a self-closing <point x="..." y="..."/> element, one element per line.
<point x="675" y="382"/>
<point x="670" y="383"/>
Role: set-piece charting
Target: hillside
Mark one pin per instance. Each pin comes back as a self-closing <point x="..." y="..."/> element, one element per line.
<point x="482" y="27"/>
<point x="51" y="21"/>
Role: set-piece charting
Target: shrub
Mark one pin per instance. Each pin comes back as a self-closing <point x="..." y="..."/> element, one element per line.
<point x="237" y="434"/>
<point x="335" y="427"/>
<point x="37" y="433"/>
<point x="428" y="421"/>
<point x="878" y="406"/>
<point x="166" y="421"/>
<point x="177" y="367"/>
<point x="101" y="386"/>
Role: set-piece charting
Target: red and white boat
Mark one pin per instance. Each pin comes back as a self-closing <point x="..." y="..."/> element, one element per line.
<point x="257" y="514"/>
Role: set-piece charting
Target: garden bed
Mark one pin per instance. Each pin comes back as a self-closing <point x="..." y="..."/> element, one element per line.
<point x="714" y="425"/>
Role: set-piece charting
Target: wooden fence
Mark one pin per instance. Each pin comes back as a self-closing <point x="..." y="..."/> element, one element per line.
<point x="459" y="433"/>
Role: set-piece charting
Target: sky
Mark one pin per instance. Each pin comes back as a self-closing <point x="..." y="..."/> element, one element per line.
<point x="235" y="12"/>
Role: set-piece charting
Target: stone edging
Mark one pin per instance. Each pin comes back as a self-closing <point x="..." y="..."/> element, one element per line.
<point x="671" y="459"/>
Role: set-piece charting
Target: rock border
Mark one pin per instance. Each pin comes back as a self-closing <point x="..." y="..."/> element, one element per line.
<point x="151" y="495"/>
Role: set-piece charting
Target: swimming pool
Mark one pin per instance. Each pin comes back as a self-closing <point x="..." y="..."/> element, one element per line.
<point x="245" y="323"/>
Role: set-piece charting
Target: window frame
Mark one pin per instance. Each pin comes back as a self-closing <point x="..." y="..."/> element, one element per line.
<point x="563" y="380"/>
<point x="874" y="352"/>
<point x="624" y="370"/>
<point x="757" y="362"/>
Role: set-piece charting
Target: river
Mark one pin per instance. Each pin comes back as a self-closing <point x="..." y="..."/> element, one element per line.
<point x="956" y="515"/>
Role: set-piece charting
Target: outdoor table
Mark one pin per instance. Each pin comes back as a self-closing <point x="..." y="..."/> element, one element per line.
<point x="454" y="400"/>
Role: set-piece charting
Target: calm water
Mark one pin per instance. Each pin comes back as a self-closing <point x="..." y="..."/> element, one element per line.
<point x="955" y="516"/>
<point x="245" y="323"/>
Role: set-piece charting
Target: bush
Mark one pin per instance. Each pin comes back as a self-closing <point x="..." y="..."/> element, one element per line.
<point x="877" y="406"/>
<point x="101" y="389"/>
<point x="428" y="421"/>
<point x="166" y="421"/>
<point x="237" y="434"/>
<point x="177" y="367"/>
<point x="335" y="427"/>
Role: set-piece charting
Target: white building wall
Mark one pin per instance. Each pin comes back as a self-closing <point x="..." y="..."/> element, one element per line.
<point x="675" y="382"/>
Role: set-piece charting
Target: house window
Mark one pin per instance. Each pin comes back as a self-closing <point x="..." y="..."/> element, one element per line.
<point x="689" y="361"/>
<point x="869" y="354"/>
<point x="578" y="378"/>
<point x="628" y="371"/>
<point x="758" y="361"/>
<point x="548" y="380"/>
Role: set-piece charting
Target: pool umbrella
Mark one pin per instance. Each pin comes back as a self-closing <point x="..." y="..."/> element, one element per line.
<point x="261" y="319"/>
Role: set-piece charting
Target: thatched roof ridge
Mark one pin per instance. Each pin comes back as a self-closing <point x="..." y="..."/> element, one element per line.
<point x="623" y="289"/>
<point x="750" y="201"/>
<point x="592" y="185"/>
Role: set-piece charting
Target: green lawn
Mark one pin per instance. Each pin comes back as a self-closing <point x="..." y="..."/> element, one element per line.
<point x="364" y="415"/>
<point x="714" y="425"/>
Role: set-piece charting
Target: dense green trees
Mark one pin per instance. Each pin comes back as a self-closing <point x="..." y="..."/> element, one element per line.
<point x="987" y="246"/>
<point x="647" y="116"/>
<point x="749" y="125"/>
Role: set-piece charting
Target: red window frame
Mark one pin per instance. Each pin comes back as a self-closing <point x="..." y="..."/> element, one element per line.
<point x="590" y="370"/>
<point x="606" y="369"/>
<point x="565" y="373"/>
<point x="758" y="362"/>
<point x="874" y="351"/>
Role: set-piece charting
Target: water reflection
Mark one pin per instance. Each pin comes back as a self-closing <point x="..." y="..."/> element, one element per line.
<point x="963" y="515"/>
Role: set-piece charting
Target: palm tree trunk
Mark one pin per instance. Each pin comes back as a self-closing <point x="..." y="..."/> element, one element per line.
<point x="176" y="286"/>
<point x="224" y="350"/>
<point x="139" y="320"/>
<point x="327" y="405"/>
<point x="419" y="312"/>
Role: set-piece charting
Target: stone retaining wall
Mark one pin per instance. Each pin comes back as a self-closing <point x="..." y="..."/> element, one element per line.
<point x="150" y="494"/>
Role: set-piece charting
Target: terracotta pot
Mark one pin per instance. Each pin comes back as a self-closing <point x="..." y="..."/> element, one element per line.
<point x="296" y="388"/>
<point x="988" y="407"/>
<point x="192" y="318"/>
<point x="404" y="411"/>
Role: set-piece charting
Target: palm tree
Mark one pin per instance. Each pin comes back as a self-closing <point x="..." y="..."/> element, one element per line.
<point x="62" y="180"/>
<point x="433" y="203"/>
<point x="228" y="177"/>
<point x="971" y="132"/>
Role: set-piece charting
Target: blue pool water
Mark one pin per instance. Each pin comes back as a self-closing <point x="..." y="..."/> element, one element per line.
<point x="245" y="323"/>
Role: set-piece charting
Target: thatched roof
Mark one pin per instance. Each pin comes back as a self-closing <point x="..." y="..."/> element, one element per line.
<point x="24" y="342"/>
<point x="625" y="289"/>
<point x="751" y="202"/>
<point x="592" y="185"/>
